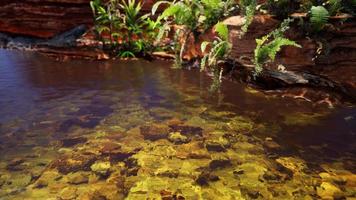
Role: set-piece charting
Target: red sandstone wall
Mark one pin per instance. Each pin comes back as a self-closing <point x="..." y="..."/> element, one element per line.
<point x="45" y="18"/>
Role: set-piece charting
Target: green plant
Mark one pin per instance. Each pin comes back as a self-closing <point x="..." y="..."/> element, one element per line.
<point x="107" y="20"/>
<point x="121" y="23"/>
<point x="283" y="8"/>
<point x="133" y="21"/>
<point x="184" y="13"/>
<point x="214" y="10"/>
<point x="334" y="6"/>
<point x="269" y="45"/>
<point x="319" y="17"/>
<point x="248" y="8"/>
<point x="192" y="18"/>
<point x="219" y="50"/>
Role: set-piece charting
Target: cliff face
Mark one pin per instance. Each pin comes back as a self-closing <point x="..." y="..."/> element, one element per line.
<point x="42" y="18"/>
<point x="45" y="18"/>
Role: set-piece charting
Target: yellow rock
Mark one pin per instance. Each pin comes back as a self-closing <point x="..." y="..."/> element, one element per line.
<point x="328" y="191"/>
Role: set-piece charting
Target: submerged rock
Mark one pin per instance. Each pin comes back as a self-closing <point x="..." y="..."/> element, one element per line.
<point x="16" y="164"/>
<point x="295" y="165"/>
<point x="78" y="178"/>
<point x="68" y="193"/>
<point x="271" y="145"/>
<point x="110" y="147"/>
<point x="69" y="142"/>
<point x="47" y="178"/>
<point x="154" y="132"/>
<point x="119" y="152"/>
<point x="101" y="168"/>
<point x="73" y="163"/>
<point x="271" y="177"/>
<point x="20" y="180"/>
<point x="302" y="119"/>
<point x="205" y="177"/>
<point x="220" y="162"/>
<point x="329" y="191"/>
<point x="187" y="130"/>
<point x="241" y="125"/>
<point x="218" y="145"/>
<point x="178" y="138"/>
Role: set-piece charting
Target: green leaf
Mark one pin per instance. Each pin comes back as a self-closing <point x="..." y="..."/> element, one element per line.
<point x="170" y="11"/>
<point x="250" y="10"/>
<point x="222" y="30"/>
<point x="319" y="17"/>
<point x="267" y="48"/>
<point x="126" y="54"/>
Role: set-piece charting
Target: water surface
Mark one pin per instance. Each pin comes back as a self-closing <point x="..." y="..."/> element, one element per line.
<point x="236" y="144"/>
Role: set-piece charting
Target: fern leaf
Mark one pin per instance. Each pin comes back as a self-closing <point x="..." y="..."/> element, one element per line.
<point x="250" y="13"/>
<point x="222" y="30"/>
<point x="319" y="17"/>
<point x="170" y="11"/>
<point x="334" y="6"/>
<point x="275" y="46"/>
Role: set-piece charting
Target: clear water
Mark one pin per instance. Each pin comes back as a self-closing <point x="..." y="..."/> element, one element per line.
<point x="62" y="120"/>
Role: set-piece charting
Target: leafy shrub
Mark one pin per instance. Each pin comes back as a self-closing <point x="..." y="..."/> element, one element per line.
<point x="121" y="23"/>
<point x="194" y="17"/>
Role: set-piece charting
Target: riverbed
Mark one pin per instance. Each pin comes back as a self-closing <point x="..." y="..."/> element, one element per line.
<point x="135" y="129"/>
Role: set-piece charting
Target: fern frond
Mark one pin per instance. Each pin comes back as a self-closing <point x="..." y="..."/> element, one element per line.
<point x="249" y="14"/>
<point x="222" y="30"/>
<point x="319" y="17"/>
<point x="267" y="48"/>
<point x="170" y="11"/>
<point x="334" y="6"/>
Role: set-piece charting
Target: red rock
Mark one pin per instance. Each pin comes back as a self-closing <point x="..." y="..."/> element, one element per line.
<point x="46" y="18"/>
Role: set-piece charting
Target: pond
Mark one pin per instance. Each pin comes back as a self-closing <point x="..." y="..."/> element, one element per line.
<point x="142" y="130"/>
